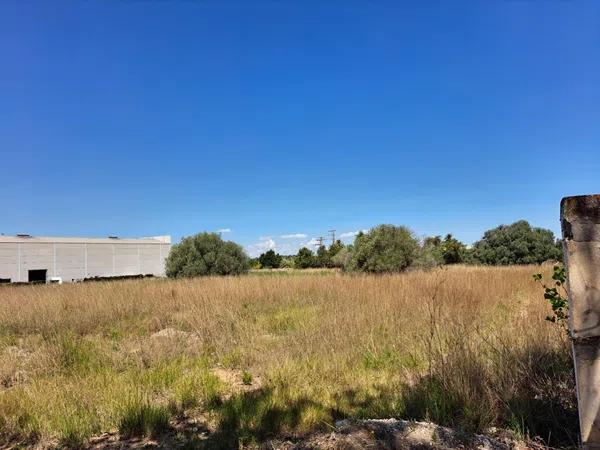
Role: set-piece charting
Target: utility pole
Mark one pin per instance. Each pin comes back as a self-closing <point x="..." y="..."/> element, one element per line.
<point x="580" y="223"/>
<point x="332" y="232"/>
<point x="320" y="241"/>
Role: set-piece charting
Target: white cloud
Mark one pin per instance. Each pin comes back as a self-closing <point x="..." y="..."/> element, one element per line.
<point x="224" y="230"/>
<point x="351" y="234"/>
<point x="265" y="238"/>
<point x="255" y="250"/>
<point x="310" y="244"/>
<point x="286" y="248"/>
<point x="294" y="236"/>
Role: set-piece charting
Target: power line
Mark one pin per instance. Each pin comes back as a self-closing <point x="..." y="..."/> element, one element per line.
<point x="332" y="232"/>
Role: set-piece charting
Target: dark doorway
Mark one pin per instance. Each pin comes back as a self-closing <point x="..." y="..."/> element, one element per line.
<point x="37" y="276"/>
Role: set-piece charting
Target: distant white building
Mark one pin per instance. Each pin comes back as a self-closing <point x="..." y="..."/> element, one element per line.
<point x="25" y="258"/>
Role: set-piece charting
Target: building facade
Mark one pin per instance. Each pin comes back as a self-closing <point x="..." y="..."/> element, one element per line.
<point x="25" y="258"/>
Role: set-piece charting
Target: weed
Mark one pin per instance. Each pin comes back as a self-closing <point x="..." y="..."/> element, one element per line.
<point x="141" y="418"/>
<point x="477" y="354"/>
<point x="247" y="378"/>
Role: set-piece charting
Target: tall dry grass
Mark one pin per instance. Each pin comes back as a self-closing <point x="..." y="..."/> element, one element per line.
<point x="464" y="346"/>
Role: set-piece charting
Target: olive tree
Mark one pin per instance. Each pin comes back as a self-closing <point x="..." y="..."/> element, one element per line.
<point x="206" y="254"/>
<point x="519" y="243"/>
<point x="385" y="248"/>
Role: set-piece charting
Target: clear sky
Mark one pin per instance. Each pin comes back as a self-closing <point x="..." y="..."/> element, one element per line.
<point x="275" y="118"/>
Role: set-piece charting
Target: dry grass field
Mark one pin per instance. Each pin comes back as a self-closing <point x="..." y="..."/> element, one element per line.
<point x="257" y="356"/>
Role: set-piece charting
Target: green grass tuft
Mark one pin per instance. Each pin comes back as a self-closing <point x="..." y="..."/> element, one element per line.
<point x="144" y="419"/>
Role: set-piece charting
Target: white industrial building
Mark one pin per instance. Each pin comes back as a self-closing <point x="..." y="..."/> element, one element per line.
<point x="25" y="258"/>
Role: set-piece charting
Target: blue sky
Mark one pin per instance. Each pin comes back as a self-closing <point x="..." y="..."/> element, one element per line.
<point x="274" y="118"/>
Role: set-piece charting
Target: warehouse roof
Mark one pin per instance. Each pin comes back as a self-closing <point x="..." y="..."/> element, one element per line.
<point x="84" y="240"/>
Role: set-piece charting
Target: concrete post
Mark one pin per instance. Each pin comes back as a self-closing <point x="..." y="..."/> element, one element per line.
<point x="580" y="222"/>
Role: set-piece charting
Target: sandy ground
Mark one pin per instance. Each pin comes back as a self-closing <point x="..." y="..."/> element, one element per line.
<point x="388" y="434"/>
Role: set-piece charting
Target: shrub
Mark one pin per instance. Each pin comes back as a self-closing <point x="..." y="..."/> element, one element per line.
<point x="206" y="254"/>
<point x="518" y="243"/>
<point x="429" y="254"/>
<point x="305" y="259"/>
<point x="287" y="262"/>
<point x="270" y="260"/>
<point x="335" y="248"/>
<point x="323" y="259"/>
<point x="342" y="257"/>
<point x="385" y="248"/>
<point x="452" y="250"/>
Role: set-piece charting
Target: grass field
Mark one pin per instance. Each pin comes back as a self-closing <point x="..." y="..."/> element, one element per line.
<point x="255" y="356"/>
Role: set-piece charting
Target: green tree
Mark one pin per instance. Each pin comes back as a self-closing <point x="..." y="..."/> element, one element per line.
<point x="452" y="250"/>
<point x="342" y="258"/>
<point x="432" y="241"/>
<point x="335" y="247"/>
<point x="518" y="243"/>
<point x="206" y="254"/>
<point x="270" y="260"/>
<point x="385" y="248"/>
<point x="304" y="259"/>
<point x="322" y="259"/>
<point x="288" y="262"/>
<point x="430" y="253"/>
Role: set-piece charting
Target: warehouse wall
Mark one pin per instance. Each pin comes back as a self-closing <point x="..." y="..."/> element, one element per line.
<point x="35" y="256"/>
<point x="100" y="260"/>
<point x="76" y="261"/>
<point x="8" y="261"/>
<point x="70" y="262"/>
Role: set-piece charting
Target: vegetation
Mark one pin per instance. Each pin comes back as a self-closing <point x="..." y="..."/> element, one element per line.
<point x="556" y="295"/>
<point x="452" y="250"/>
<point x="270" y="260"/>
<point x="305" y="259"/>
<point x="388" y="248"/>
<point x="518" y="243"/>
<point x="324" y="258"/>
<point x="436" y="251"/>
<point x="342" y="257"/>
<point x="254" y="356"/>
<point x="206" y="254"/>
<point x="385" y="248"/>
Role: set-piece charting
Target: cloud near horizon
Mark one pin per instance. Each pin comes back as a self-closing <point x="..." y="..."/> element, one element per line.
<point x="294" y="236"/>
<point x="262" y="246"/>
<point x="289" y="244"/>
<point x="349" y="234"/>
<point x="224" y="230"/>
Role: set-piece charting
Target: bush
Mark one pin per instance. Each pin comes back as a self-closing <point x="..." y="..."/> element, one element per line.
<point x="270" y="260"/>
<point x="335" y="248"/>
<point x="453" y="251"/>
<point x="385" y="248"/>
<point x="435" y="252"/>
<point x="518" y="243"/>
<point x="287" y="262"/>
<point x="206" y="254"/>
<point x="342" y="257"/>
<point x="428" y="256"/>
<point x="305" y="259"/>
<point x="323" y="259"/>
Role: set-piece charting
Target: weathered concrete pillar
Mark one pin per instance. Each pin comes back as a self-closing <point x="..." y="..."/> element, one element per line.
<point x="580" y="221"/>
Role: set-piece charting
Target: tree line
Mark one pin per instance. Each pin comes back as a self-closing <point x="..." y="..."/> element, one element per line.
<point x="384" y="248"/>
